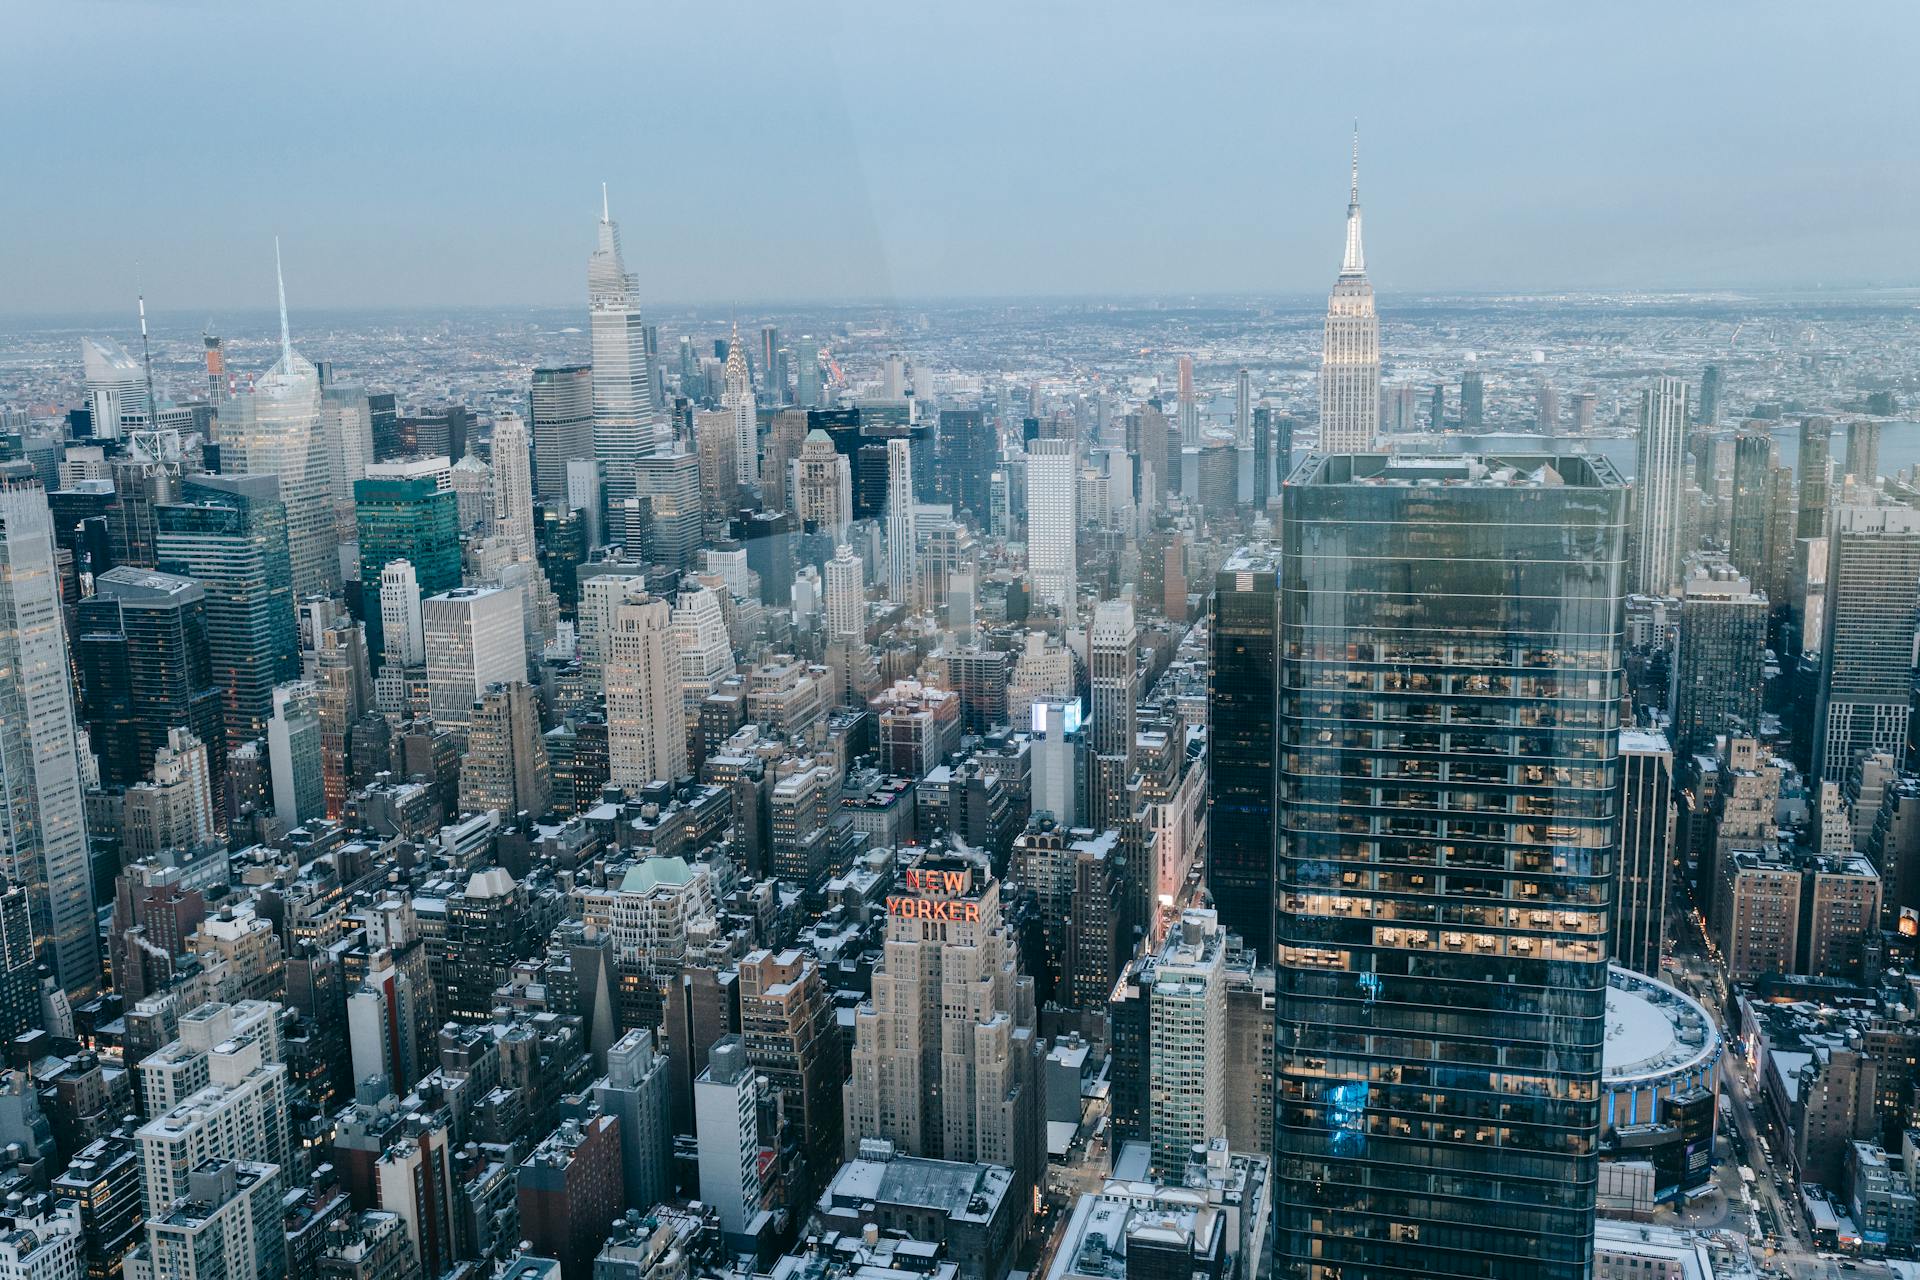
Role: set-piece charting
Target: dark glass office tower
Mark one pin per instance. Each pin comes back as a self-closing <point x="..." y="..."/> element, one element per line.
<point x="141" y="645"/>
<point x="968" y="451"/>
<point x="561" y="413"/>
<point x="1473" y="400"/>
<point x="229" y="533"/>
<point x="1262" y="457"/>
<point x="1646" y="850"/>
<point x="1241" y="752"/>
<point x="1449" y="670"/>
<point x="1748" y="548"/>
<point x="385" y="415"/>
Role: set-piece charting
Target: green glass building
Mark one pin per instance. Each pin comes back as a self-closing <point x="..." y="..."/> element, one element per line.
<point x="404" y="518"/>
<point x="1449" y="702"/>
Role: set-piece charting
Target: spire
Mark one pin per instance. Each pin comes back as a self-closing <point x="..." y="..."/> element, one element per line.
<point x="1354" y="262"/>
<point x="286" y="333"/>
<point x="1353" y="200"/>
<point x="606" y="210"/>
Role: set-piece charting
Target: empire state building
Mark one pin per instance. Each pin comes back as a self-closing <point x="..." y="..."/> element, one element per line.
<point x="1350" y="359"/>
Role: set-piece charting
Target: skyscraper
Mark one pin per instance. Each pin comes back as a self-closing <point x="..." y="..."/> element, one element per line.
<point x="667" y="482"/>
<point x="295" y="755"/>
<point x="792" y="1040"/>
<point x="1657" y="484"/>
<point x="505" y="768"/>
<point x="410" y="518"/>
<point x="1473" y="400"/>
<point x="945" y="1056"/>
<point x="562" y="409"/>
<point x="513" y="485"/>
<point x="1113" y="664"/>
<point x="969" y="450"/>
<point x="1719" y="669"/>
<point x="277" y="429"/>
<point x="1189" y="407"/>
<point x="1646" y="844"/>
<point x="1242" y="748"/>
<point x="43" y="828"/>
<point x="1262" y="457"/>
<point x="727" y="1135"/>
<point x="116" y="388"/>
<point x="1411" y="612"/>
<point x="346" y="434"/>
<point x="902" y="551"/>
<point x="1863" y="450"/>
<point x="1866" y="655"/>
<point x="1052" y="518"/>
<point x="823" y="485"/>
<point x="1749" y="548"/>
<point x="846" y="596"/>
<point x="1187" y="1041"/>
<point x="1243" y="409"/>
<point x="624" y="415"/>
<point x="140" y="641"/>
<point x="475" y="637"/>
<point x="1350" y="356"/>
<point x="1815" y="463"/>
<point x="400" y="618"/>
<point x="736" y="399"/>
<point x="1709" y="396"/>
<point x="229" y="533"/>
<point x="646" y="722"/>
<point x="769" y="360"/>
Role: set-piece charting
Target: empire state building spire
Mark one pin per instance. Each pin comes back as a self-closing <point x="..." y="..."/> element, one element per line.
<point x="1355" y="261"/>
<point x="1350" y="358"/>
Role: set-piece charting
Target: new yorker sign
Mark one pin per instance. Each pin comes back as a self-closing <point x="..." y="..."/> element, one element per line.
<point x="931" y="895"/>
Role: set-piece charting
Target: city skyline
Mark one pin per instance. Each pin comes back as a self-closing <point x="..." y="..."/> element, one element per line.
<point x="1618" y="177"/>
<point x="1038" y="760"/>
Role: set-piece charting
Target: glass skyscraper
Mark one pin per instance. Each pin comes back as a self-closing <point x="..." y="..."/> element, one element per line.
<point x="561" y="411"/>
<point x="404" y="518"/>
<point x="1450" y="683"/>
<point x="1241" y="758"/>
<point x="43" y="821"/>
<point x="140" y="642"/>
<point x="229" y="534"/>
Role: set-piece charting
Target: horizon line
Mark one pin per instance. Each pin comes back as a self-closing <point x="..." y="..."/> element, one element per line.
<point x="958" y="300"/>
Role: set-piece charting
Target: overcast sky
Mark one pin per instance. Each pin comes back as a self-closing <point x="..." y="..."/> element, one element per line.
<point x="425" y="153"/>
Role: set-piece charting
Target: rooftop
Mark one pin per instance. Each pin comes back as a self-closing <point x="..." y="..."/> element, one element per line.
<point x="1653" y="1031"/>
<point x="1480" y="471"/>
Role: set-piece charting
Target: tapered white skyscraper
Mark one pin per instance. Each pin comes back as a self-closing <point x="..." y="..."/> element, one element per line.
<point x="43" y="827"/>
<point x="1350" y="358"/>
<point x="626" y="422"/>
<point x="736" y="398"/>
<point x="902" y="557"/>
<point x="277" y="430"/>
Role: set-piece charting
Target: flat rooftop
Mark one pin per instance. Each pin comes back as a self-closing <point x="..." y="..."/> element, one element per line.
<point x="1442" y="471"/>
<point x="1653" y="1030"/>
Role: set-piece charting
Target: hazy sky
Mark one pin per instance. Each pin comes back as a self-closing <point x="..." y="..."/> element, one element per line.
<point x="441" y="153"/>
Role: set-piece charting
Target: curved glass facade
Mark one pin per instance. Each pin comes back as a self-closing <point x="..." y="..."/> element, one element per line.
<point x="1450" y="685"/>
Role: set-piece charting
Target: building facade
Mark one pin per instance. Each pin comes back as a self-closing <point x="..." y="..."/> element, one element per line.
<point x="1450" y="674"/>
